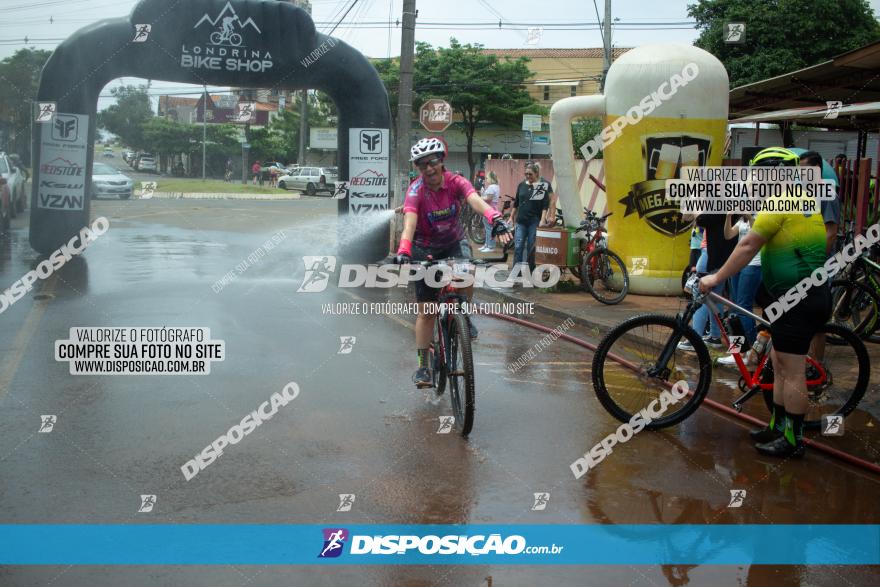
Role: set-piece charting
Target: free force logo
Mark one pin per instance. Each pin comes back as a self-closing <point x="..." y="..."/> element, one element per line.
<point x="334" y="541"/>
<point x="371" y="142"/>
<point x="64" y="128"/>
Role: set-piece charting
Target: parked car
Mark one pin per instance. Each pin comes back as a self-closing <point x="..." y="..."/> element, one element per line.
<point x="15" y="178"/>
<point x="310" y="180"/>
<point x="5" y="206"/>
<point x="128" y="156"/>
<point x="145" y="162"/>
<point x="109" y="181"/>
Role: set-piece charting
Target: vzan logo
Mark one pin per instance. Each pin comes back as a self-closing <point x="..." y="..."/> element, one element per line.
<point x="226" y="50"/>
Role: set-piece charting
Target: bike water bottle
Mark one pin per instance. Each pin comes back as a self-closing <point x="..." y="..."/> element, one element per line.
<point x="758" y="348"/>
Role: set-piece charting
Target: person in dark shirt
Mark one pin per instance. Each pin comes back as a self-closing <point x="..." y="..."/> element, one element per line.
<point x="718" y="249"/>
<point x="531" y="205"/>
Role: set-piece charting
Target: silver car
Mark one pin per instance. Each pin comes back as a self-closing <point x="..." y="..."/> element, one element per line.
<point x="310" y="180"/>
<point x="109" y="181"/>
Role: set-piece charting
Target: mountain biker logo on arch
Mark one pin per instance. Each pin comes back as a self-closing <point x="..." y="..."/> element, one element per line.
<point x="664" y="155"/>
<point x="225" y="33"/>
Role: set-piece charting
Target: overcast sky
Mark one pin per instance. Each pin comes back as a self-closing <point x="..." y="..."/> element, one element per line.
<point x="641" y="22"/>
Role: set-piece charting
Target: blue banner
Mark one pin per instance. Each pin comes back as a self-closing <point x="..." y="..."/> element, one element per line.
<point x="274" y="544"/>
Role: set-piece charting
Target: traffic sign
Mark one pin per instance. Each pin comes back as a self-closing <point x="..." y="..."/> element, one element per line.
<point x="435" y="115"/>
<point x="532" y="122"/>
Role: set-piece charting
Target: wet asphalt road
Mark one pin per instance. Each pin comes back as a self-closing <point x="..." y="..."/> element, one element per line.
<point x="358" y="425"/>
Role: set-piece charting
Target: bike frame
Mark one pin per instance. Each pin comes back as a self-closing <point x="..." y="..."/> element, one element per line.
<point x="751" y="379"/>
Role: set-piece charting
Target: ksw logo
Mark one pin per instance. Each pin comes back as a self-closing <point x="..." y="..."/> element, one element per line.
<point x="60" y="186"/>
<point x="65" y="128"/>
<point x="371" y="142"/>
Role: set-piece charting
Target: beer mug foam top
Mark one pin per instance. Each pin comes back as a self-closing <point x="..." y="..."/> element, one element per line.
<point x="664" y="108"/>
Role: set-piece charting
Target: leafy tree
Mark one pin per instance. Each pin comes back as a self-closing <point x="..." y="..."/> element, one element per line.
<point x="583" y="131"/>
<point x="125" y="119"/>
<point x="389" y="73"/>
<point x="782" y="35"/>
<point x="19" y="82"/>
<point x="479" y="86"/>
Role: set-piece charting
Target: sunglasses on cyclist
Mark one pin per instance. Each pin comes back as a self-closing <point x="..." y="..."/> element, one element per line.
<point x="422" y="165"/>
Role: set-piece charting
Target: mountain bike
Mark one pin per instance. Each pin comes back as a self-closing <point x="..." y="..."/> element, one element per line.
<point x="602" y="273"/>
<point x="450" y="355"/>
<point x="640" y="358"/>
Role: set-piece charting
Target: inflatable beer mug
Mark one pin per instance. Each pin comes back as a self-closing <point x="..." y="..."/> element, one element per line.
<point x="664" y="108"/>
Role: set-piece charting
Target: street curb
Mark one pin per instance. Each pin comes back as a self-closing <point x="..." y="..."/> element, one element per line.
<point x="214" y="196"/>
<point x="496" y="295"/>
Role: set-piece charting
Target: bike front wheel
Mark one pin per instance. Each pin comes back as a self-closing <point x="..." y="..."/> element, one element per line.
<point x="837" y="375"/>
<point x="460" y="370"/>
<point x="628" y="376"/>
<point x="604" y="275"/>
<point x="855" y="306"/>
<point x="475" y="229"/>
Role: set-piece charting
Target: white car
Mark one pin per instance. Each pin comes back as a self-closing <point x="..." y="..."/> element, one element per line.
<point x="109" y="181"/>
<point x="311" y="180"/>
<point x="146" y="164"/>
<point x="16" y="181"/>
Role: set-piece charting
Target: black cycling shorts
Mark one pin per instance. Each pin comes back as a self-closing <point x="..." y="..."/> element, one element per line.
<point x="794" y="329"/>
<point x="459" y="250"/>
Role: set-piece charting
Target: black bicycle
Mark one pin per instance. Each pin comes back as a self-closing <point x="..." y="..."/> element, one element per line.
<point x="450" y="354"/>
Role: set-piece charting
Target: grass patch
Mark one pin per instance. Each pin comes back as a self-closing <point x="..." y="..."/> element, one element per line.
<point x="212" y="186"/>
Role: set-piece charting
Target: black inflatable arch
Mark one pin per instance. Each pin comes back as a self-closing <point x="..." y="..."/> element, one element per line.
<point x="244" y="43"/>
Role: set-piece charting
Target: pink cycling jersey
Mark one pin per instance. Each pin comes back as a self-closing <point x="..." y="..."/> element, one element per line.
<point x="438" y="212"/>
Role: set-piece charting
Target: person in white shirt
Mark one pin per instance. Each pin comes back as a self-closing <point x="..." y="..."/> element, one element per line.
<point x="744" y="285"/>
<point x="490" y="193"/>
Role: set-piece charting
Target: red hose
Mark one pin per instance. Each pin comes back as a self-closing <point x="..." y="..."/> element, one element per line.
<point x="822" y="447"/>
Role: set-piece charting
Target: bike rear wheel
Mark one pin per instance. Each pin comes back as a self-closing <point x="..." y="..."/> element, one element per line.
<point x="604" y="275"/>
<point x="626" y="390"/>
<point x="460" y="370"/>
<point x="855" y="306"/>
<point x="847" y="367"/>
<point x="475" y="229"/>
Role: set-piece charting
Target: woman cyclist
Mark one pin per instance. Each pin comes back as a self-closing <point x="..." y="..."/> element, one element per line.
<point x="432" y="226"/>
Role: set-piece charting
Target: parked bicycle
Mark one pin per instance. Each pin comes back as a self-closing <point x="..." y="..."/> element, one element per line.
<point x="450" y="354"/>
<point x="602" y="272"/>
<point x="639" y="358"/>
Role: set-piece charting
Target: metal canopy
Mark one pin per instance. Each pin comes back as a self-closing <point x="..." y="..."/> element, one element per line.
<point x="852" y="78"/>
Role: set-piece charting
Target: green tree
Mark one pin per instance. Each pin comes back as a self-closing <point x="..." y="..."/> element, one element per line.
<point x="479" y="86"/>
<point x="19" y="82"/>
<point x="126" y="118"/>
<point x="389" y="73"/>
<point x="582" y="131"/>
<point x="782" y="35"/>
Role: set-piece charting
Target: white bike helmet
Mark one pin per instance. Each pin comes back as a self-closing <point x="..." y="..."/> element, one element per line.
<point x="427" y="146"/>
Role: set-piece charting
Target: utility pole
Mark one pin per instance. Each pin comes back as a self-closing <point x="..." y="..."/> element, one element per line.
<point x="404" y="103"/>
<point x="606" y="39"/>
<point x="204" y="130"/>
<point x="304" y="102"/>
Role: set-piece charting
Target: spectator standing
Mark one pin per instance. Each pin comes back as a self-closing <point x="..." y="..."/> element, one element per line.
<point x="531" y="205"/>
<point x="490" y="193"/>
<point x="256" y="169"/>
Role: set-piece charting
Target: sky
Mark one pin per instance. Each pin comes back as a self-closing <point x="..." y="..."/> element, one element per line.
<point x="47" y="22"/>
